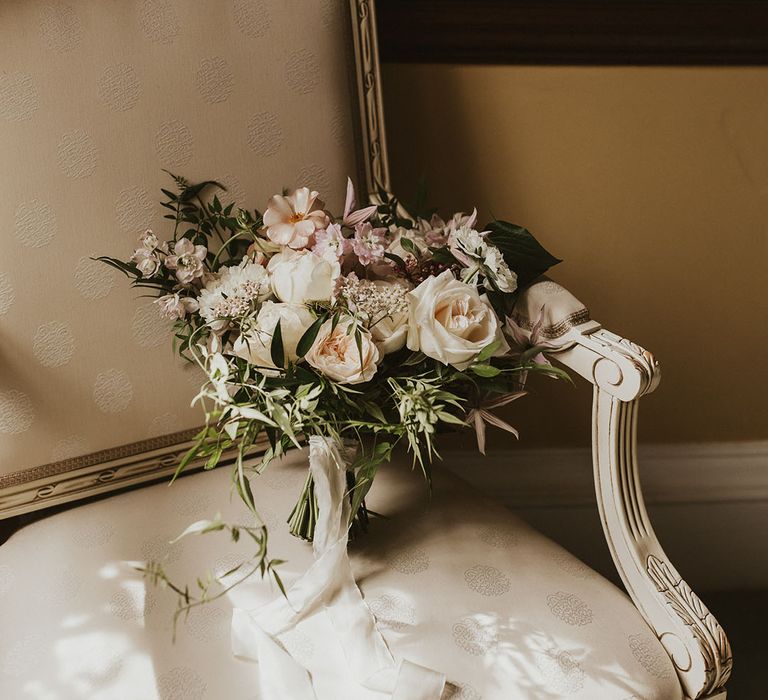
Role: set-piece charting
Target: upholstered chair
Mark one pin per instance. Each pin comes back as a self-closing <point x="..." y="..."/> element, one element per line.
<point x="96" y="99"/>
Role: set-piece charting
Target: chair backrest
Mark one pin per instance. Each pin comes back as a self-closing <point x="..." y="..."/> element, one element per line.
<point x="96" y="98"/>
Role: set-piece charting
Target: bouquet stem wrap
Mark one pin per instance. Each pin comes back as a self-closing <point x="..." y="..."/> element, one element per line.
<point x="328" y="587"/>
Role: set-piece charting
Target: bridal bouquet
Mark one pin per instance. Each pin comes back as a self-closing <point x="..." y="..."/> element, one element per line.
<point x="372" y="326"/>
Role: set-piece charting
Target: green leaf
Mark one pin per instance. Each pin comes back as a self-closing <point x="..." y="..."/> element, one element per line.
<point x="485" y="370"/>
<point x="409" y="247"/>
<point x="200" y="528"/>
<point x="487" y="351"/>
<point x="395" y="259"/>
<point x="443" y="255"/>
<point x="530" y="353"/>
<point x="306" y="341"/>
<point x="276" y="347"/>
<point x="521" y="251"/>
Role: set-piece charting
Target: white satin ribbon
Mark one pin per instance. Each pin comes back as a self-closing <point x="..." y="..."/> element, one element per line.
<point x="327" y="587"/>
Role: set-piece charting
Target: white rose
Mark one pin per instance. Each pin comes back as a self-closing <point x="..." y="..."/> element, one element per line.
<point x="335" y="353"/>
<point x="255" y="344"/>
<point x="299" y="276"/>
<point x="450" y="322"/>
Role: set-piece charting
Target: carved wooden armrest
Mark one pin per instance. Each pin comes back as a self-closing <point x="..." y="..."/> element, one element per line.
<point x="621" y="373"/>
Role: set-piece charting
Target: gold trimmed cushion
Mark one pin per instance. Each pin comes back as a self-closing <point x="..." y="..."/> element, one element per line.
<point x="552" y="306"/>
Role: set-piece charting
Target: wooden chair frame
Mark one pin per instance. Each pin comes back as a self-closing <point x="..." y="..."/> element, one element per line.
<point x="621" y="373"/>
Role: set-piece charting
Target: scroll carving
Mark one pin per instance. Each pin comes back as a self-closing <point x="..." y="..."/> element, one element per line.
<point x="621" y="372"/>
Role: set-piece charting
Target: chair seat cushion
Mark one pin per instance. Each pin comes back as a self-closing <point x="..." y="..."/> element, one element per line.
<point x="457" y="583"/>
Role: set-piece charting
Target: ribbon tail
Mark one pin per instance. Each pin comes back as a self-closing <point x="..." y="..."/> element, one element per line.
<point x="328" y="584"/>
<point x="280" y="676"/>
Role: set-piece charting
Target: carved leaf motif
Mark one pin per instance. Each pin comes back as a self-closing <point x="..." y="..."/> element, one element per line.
<point x="709" y="635"/>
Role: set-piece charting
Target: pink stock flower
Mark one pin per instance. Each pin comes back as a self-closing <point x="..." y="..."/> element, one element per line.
<point x="175" y="307"/>
<point x="186" y="260"/>
<point x="291" y="220"/>
<point x="353" y="218"/>
<point x="369" y="244"/>
<point x="331" y="244"/>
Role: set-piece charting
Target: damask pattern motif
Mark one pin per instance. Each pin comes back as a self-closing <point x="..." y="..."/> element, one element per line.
<point x="561" y="672"/>
<point x="569" y="608"/>
<point x="35" y="224"/>
<point x="119" y="87"/>
<point x="649" y="656"/>
<point x="410" y="561"/>
<point x="393" y="612"/>
<point x="474" y="638"/>
<point x="19" y="96"/>
<point x="53" y="344"/>
<point x="487" y="580"/>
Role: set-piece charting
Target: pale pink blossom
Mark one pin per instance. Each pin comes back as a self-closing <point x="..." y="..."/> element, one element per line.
<point x="353" y="218"/>
<point x="436" y="231"/>
<point x="148" y="240"/>
<point x="176" y="307"/>
<point x="292" y="221"/>
<point x="186" y="260"/>
<point x="369" y="244"/>
<point x="146" y="261"/>
<point x="331" y="244"/>
<point x="148" y="256"/>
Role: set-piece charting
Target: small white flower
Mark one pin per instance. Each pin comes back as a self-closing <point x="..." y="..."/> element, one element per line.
<point x="233" y="293"/>
<point x="176" y="307"/>
<point x="186" y="260"/>
<point x="504" y="278"/>
<point x="146" y="261"/>
<point x="149" y="240"/>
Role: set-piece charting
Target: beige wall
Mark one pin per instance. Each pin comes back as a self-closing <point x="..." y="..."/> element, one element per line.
<point x="650" y="183"/>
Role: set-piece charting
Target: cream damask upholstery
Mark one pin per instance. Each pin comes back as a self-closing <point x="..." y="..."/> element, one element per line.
<point x="459" y="585"/>
<point x="95" y="99"/>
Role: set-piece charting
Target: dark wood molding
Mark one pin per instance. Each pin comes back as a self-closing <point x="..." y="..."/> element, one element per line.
<point x="574" y="32"/>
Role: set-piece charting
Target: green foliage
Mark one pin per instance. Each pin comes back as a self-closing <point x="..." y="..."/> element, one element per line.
<point x="521" y="251"/>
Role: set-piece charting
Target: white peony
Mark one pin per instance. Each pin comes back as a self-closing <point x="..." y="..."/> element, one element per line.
<point x="450" y="322"/>
<point x="336" y="354"/>
<point x="299" y="276"/>
<point x="255" y="344"/>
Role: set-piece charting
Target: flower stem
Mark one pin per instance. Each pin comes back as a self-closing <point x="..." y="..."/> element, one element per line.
<point x="303" y="517"/>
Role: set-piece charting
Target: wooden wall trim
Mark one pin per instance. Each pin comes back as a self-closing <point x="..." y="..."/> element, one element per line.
<point x="574" y="32"/>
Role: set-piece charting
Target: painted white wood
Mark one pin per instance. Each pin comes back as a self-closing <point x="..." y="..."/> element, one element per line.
<point x="622" y="372"/>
